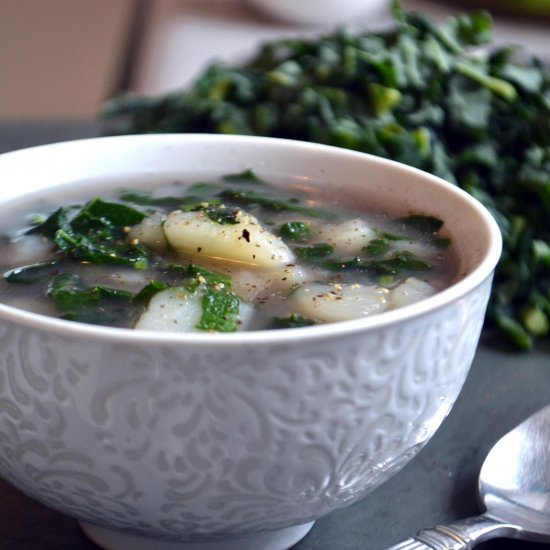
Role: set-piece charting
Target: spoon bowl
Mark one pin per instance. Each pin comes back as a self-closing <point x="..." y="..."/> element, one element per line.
<point x="514" y="482"/>
<point x="514" y="488"/>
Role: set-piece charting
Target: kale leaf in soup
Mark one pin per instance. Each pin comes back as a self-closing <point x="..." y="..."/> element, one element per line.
<point x="219" y="256"/>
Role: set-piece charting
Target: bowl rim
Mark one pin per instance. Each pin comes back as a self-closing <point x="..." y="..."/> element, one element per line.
<point x="267" y="336"/>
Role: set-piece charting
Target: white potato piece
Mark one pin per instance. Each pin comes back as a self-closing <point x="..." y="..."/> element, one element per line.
<point x="150" y="232"/>
<point x="410" y="291"/>
<point x="250" y="284"/>
<point x="127" y="278"/>
<point x="194" y="234"/>
<point x="172" y="310"/>
<point x="177" y="310"/>
<point x="28" y="249"/>
<point x="292" y="276"/>
<point x="347" y="238"/>
<point x="339" y="302"/>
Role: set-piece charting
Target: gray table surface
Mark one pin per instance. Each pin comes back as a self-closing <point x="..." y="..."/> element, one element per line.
<point x="438" y="486"/>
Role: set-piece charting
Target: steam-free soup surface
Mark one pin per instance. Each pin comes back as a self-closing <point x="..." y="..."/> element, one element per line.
<point x="225" y="255"/>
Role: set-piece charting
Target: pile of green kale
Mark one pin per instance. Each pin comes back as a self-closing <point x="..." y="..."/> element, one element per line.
<point x="432" y="96"/>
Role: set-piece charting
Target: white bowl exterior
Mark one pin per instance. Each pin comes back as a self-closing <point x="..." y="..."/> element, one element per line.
<point x="194" y="437"/>
<point x="184" y="442"/>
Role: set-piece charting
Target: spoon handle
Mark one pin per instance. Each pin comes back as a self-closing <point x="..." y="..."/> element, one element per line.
<point x="462" y="535"/>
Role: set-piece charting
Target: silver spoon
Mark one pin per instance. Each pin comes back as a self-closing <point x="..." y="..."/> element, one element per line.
<point x="514" y="486"/>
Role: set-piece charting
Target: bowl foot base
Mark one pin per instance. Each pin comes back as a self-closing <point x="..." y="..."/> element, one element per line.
<point x="281" y="539"/>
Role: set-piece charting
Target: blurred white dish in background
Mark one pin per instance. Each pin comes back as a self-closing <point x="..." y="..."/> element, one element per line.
<point x="320" y="12"/>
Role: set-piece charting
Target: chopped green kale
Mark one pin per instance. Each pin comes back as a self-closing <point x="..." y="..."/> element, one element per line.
<point x="294" y="320"/>
<point x="77" y="301"/>
<point x="314" y="252"/>
<point x="428" y="226"/>
<point x="295" y="231"/>
<point x="377" y="247"/>
<point x="220" y="306"/>
<point x="266" y="202"/>
<point x="220" y="310"/>
<point x="429" y="95"/>
<point x="96" y="233"/>
<point x="248" y="176"/>
<point x="398" y="263"/>
<point x="207" y="276"/>
<point x="223" y="214"/>
<point x="34" y="273"/>
<point x="422" y="223"/>
<point x="95" y="305"/>
<point x="149" y="290"/>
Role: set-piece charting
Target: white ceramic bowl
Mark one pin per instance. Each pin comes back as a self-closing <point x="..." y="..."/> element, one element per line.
<point x="232" y="441"/>
<point x="323" y="12"/>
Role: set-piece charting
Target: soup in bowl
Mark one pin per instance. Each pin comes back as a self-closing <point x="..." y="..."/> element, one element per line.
<point x="212" y="341"/>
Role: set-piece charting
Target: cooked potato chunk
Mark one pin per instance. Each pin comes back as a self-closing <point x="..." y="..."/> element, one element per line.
<point x="194" y="234"/>
<point x="336" y="302"/>
<point x="177" y="310"/>
<point x="250" y="284"/>
<point x="347" y="238"/>
<point x="172" y="310"/>
<point x="409" y="291"/>
<point x="150" y="233"/>
<point x="27" y="249"/>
